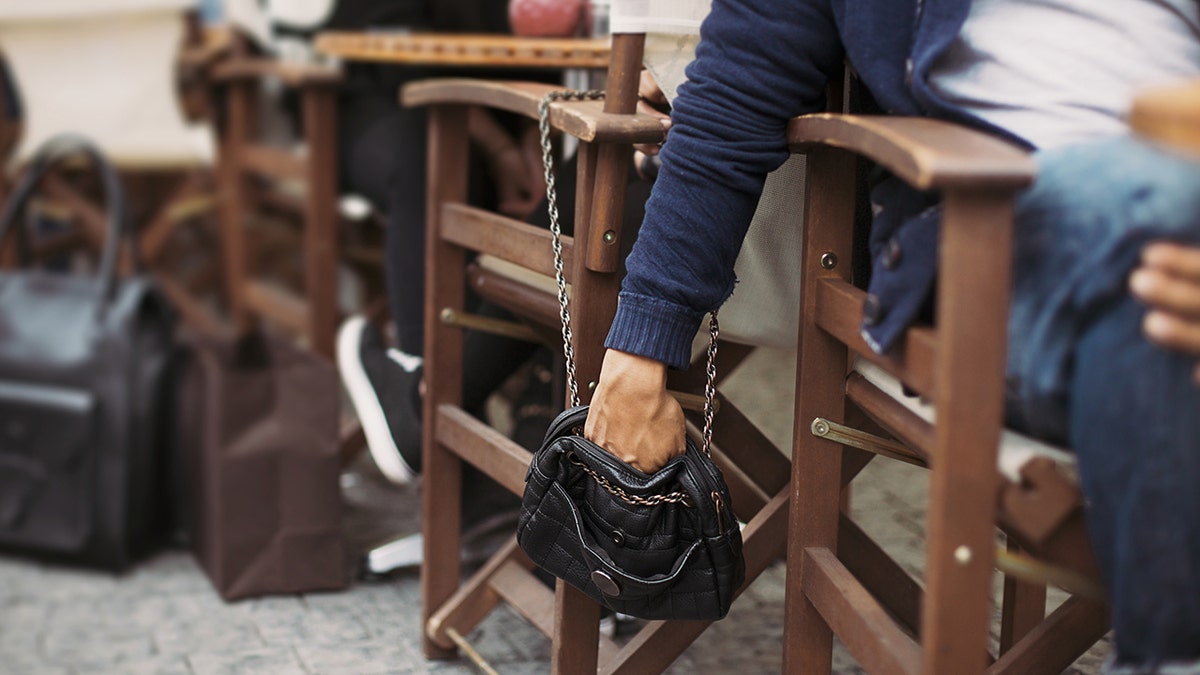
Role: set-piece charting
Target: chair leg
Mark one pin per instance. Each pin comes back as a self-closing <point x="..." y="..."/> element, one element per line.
<point x="960" y="551"/>
<point x="816" y="463"/>
<point x="240" y="111"/>
<point x="441" y="501"/>
<point x="320" y="218"/>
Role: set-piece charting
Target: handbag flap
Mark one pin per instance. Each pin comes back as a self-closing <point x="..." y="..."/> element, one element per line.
<point x="44" y="434"/>
<point x="47" y="425"/>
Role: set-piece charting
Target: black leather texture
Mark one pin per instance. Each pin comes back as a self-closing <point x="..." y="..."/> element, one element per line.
<point x="662" y="561"/>
<point x="86" y="365"/>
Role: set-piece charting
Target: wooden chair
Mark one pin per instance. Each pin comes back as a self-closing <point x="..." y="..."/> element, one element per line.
<point x="452" y="436"/>
<point x="850" y="407"/>
<point x="68" y="76"/>
<point x="295" y="180"/>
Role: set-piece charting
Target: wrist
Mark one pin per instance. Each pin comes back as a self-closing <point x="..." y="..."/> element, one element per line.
<point x="633" y="371"/>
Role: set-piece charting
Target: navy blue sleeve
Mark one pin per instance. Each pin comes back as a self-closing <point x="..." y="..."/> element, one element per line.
<point x="759" y="63"/>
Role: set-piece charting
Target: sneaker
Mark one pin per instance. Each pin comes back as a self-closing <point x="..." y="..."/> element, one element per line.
<point x="383" y="384"/>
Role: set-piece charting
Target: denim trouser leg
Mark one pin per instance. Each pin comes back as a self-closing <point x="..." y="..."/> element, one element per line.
<point x="1081" y="371"/>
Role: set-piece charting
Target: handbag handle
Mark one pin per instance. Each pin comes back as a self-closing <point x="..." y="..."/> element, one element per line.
<point x="53" y="151"/>
<point x="559" y="276"/>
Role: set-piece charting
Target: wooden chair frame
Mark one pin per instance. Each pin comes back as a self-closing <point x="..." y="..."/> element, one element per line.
<point x="452" y="436"/>
<point x="242" y="156"/>
<point x="959" y="365"/>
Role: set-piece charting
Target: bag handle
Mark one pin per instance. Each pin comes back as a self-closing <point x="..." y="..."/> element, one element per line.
<point x="51" y="153"/>
<point x="559" y="276"/>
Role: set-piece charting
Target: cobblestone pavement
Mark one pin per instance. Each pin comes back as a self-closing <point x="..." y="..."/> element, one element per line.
<point x="164" y="618"/>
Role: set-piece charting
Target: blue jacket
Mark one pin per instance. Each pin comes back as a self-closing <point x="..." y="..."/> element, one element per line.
<point x="760" y="63"/>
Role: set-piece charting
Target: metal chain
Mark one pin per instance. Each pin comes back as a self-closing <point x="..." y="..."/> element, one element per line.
<point x="564" y="311"/>
<point x="677" y="497"/>
<point x="710" y="385"/>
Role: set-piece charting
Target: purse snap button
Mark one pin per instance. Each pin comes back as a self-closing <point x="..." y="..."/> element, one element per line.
<point x="605" y="583"/>
<point x="618" y="537"/>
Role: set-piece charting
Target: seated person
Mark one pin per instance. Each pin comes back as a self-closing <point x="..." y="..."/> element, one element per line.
<point x="1085" y="364"/>
<point x="382" y="157"/>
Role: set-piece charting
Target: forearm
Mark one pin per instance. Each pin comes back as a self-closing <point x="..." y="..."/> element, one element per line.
<point x="758" y="65"/>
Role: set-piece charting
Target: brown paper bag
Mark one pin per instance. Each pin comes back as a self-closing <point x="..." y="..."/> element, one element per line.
<point x="259" y="424"/>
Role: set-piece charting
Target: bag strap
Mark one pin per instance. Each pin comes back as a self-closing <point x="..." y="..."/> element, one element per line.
<point x="560" y="277"/>
<point x="52" y="152"/>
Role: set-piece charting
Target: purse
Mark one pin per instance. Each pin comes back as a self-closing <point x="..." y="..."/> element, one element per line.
<point x="86" y="373"/>
<point x="654" y="546"/>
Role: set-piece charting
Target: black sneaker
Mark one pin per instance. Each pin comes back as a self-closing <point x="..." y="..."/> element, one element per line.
<point x="383" y="384"/>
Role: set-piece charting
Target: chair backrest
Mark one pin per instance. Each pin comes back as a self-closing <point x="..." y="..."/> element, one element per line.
<point x="104" y="70"/>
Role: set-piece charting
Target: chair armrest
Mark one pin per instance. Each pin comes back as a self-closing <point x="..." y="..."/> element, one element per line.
<point x="928" y="154"/>
<point x="291" y="74"/>
<point x="585" y="120"/>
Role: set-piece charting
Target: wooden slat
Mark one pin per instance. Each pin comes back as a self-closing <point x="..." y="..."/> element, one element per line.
<point x="291" y="74"/>
<point x="465" y="50"/>
<point x="839" y="312"/>
<point x="277" y="305"/>
<point x="881" y="575"/>
<point x="857" y="618"/>
<point x="1055" y="643"/>
<point x="484" y="447"/>
<point x="533" y="304"/>
<point x="472" y="601"/>
<point x="272" y="163"/>
<point x="926" y="153"/>
<point x="659" y="643"/>
<point x="533" y="600"/>
<point x="585" y="120"/>
<point x="505" y="238"/>
<point x="889" y="413"/>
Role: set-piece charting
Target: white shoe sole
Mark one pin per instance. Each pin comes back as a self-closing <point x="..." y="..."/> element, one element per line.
<point x="370" y="413"/>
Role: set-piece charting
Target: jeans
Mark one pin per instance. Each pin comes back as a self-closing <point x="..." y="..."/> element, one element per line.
<point x="1081" y="372"/>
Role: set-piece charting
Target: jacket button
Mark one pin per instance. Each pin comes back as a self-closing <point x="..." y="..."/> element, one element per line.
<point x="872" y="310"/>
<point x="892" y="253"/>
<point x="605" y="583"/>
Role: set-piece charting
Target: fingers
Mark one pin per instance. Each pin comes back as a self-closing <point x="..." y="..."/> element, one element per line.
<point x="631" y="414"/>
<point x="1172" y="332"/>
<point x="650" y="92"/>
<point x="1177" y="260"/>
<point x="1163" y="290"/>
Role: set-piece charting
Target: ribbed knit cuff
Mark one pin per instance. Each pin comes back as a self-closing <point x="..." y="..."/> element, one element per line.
<point x="654" y="328"/>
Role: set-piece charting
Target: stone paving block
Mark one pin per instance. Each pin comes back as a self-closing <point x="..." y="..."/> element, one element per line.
<point x="213" y="633"/>
<point x="157" y="665"/>
<point x="95" y="650"/>
<point x="261" y="661"/>
<point x="361" y="658"/>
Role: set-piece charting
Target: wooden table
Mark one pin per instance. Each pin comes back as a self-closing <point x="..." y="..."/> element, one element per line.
<point x="502" y="51"/>
<point x="1170" y="116"/>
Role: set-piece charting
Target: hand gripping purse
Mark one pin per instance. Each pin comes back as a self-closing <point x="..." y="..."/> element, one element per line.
<point x="655" y="546"/>
<point x="85" y="389"/>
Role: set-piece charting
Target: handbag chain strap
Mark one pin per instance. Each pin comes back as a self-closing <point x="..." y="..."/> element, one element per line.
<point x="564" y="311"/>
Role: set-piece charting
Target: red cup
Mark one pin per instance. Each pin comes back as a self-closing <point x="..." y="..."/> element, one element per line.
<point x="545" y="18"/>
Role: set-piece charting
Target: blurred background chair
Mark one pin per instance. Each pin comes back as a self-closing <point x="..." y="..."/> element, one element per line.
<point x="107" y="71"/>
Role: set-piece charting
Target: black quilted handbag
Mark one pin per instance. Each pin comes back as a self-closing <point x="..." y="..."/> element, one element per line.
<point x="658" y="546"/>
<point x="86" y="382"/>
